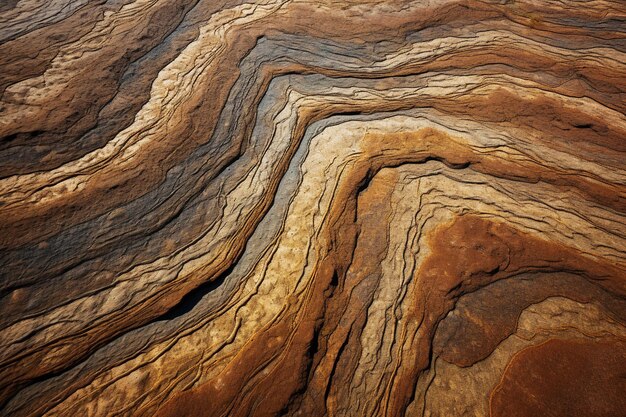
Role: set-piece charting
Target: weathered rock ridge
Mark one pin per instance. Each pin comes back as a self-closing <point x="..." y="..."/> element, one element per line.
<point x="312" y="208"/>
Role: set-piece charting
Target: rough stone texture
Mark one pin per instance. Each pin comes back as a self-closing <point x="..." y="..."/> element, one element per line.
<point x="311" y="208"/>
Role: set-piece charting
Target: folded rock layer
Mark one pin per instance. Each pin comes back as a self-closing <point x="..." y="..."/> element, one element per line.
<point x="312" y="208"/>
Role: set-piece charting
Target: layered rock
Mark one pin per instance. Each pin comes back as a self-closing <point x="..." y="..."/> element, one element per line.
<point x="342" y="208"/>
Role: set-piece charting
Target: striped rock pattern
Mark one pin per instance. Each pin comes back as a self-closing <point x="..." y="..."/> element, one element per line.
<point x="312" y="208"/>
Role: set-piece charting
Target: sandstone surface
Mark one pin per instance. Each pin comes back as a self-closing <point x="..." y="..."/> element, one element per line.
<point x="313" y="208"/>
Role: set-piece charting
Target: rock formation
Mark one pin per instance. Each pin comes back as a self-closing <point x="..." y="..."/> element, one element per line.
<point x="312" y="208"/>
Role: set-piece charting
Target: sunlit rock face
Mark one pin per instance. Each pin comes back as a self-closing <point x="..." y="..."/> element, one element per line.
<point x="312" y="208"/>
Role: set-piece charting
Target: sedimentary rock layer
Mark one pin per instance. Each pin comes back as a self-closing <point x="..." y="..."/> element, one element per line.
<point x="289" y="207"/>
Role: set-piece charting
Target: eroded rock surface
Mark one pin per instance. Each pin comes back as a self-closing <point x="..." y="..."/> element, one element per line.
<point x="312" y="208"/>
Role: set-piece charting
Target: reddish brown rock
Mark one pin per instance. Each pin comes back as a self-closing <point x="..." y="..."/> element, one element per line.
<point x="564" y="378"/>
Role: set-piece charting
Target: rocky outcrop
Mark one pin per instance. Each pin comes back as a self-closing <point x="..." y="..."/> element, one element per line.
<point x="289" y="207"/>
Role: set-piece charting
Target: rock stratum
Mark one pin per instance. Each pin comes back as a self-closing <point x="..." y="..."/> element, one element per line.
<point x="312" y="208"/>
